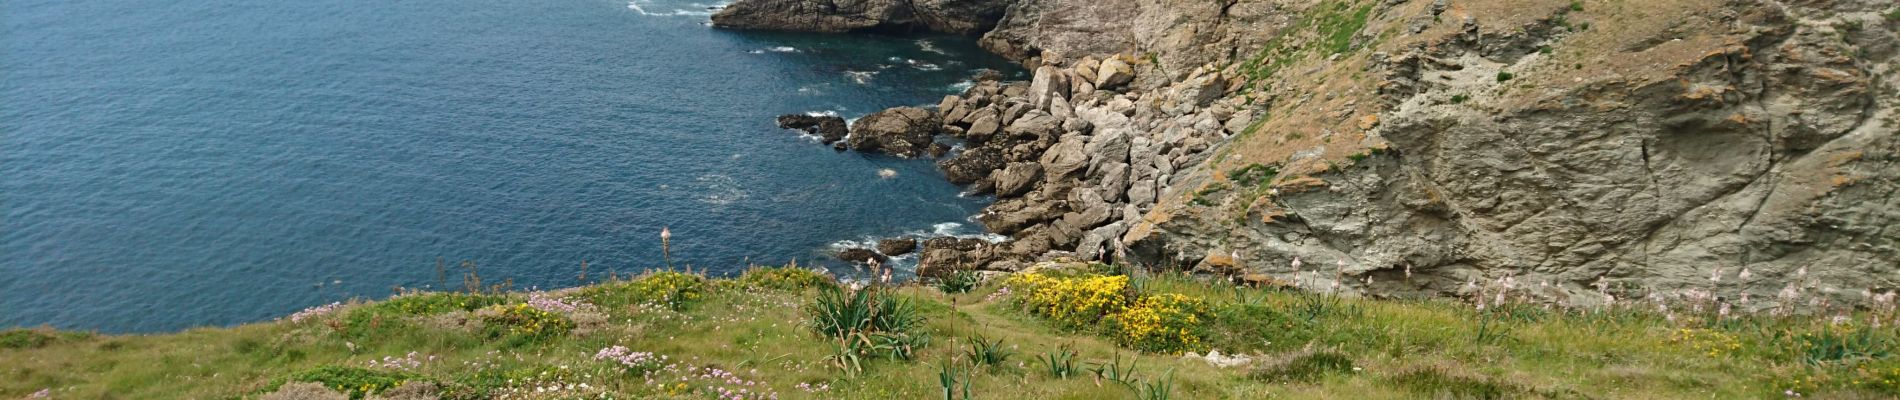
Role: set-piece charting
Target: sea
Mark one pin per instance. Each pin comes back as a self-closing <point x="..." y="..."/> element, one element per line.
<point x="167" y="164"/>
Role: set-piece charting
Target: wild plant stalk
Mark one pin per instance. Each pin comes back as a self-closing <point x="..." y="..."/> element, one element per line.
<point x="666" y="246"/>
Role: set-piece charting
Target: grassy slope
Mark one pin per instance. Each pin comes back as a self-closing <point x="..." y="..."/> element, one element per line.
<point x="1402" y="349"/>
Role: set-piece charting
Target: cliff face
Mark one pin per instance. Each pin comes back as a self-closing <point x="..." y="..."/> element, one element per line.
<point x="1418" y="146"/>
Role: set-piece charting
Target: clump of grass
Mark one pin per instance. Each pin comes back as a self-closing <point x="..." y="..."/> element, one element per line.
<point x="955" y="381"/>
<point x="1459" y="98"/>
<point x="24" y="339"/>
<point x="959" y="281"/>
<point x="790" y="277"/>
<point x="1836" y="344"/>
<point x="985" y="352"/>
<point x="838" y="313"/>
<point x="355" y="382"/>
<point x="1060" y="362"/>
<point x="863" y="323"/>
<point x="1505" y="76"/>
<point x="1161" y="389"/>
<point x="1304" y="367"/>
<point x="1439" y="383"/>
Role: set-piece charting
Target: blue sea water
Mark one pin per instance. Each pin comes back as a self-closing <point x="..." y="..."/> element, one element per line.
<point x="168" y="163"/>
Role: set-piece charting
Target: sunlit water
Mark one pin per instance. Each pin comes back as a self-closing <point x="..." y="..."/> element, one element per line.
<point x="166" y="164"/>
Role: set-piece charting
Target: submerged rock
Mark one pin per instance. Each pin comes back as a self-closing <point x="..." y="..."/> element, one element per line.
<point x="828" y="128"/>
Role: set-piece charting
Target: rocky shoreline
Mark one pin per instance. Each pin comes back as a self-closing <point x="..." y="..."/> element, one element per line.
<point x="1062" y="154"/>
<point x="1417" y="147"/>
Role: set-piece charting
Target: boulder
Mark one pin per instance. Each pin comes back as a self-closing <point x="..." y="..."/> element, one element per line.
<point x="1066" y="158"/>
<point x="1098" y="243"/>
<point x="1016" y="179"/>
<point x="1035" y="124"/>
<point x="984" y="128"/>
<point x="972" y="164"/>
<point x="1113" y="73"/>
<point x="902" y="131"/>
<point x="828" y="128"/>
<point x="941" y="255"/>
<point x="1009" y="216"/>
<point x="861" y="256"/>
<point x="1050" y="83"/>
<point x="897" y="246"/>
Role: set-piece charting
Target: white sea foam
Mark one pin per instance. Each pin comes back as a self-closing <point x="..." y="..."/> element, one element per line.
<point x="700" y="10"/>
<point x="861" y="77"/>
<point x="960" y="87"/>
<point x="822" y="113"/>
<point x="927" y="45"/>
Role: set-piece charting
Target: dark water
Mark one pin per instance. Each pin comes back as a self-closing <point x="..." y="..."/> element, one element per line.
<point x="166" y="164"/>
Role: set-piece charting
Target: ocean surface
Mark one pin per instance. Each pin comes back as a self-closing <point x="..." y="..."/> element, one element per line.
<point x="167" y="164"/>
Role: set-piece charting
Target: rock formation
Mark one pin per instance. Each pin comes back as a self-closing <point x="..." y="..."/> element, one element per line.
<point x="1414" y="147"/>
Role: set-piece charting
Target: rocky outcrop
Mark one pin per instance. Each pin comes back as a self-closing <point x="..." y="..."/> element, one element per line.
<point x="829" y="129"/>
<point x="861" y="256"/>
<point x="903" y="132"/>
<point x="968" y="17"/>
<point x="1420" y="147"/>
<point x="897" y="246"/>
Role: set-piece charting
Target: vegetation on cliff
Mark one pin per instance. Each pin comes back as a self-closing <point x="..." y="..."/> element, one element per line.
<point x="1059" y="330"/>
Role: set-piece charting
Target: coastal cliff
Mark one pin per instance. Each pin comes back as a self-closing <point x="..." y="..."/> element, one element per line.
<point x="1596" y="148"/>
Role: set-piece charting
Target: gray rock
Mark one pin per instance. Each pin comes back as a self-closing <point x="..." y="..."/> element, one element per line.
<point x="1050" y="83"/>
<point x="972" y="164"/>
<point x="861" y="256"/>
<point x="985" y="127"/>
<point x="1016" y="179"/>
<point x="902" y="131"/>
<point x="1113" y="74"/>
<point x="829" y="129"/>
<point x="896" y="246"/>
<point x="1065" y="159"/>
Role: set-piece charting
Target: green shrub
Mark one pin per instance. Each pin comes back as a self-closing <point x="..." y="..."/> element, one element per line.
<point x="1505" y="76"/>
<point x="23" y="339"/>
<point x="838" y="314"/>
<point x="674" y="290"/>
<point x="522" y="322"/>
<point x="985" y="352"/>
<point x="1832" y="344"/>
<point x="785" y="278"/>
<point x="959" y="281"/>
<point x="355" y="382"/>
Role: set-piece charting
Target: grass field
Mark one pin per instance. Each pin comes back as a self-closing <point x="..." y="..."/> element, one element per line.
<point x="1068" y="332"/>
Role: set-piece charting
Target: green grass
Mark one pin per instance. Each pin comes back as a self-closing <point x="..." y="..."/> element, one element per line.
<point x="1304" y="345"/>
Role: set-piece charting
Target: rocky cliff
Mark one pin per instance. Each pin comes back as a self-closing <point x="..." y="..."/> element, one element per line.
<point x="1740" y="149"/>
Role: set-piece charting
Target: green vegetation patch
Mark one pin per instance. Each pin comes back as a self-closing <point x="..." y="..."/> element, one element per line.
<point x="355" y="382"/>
